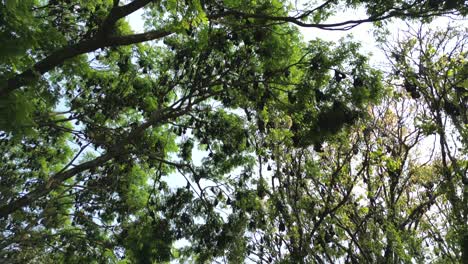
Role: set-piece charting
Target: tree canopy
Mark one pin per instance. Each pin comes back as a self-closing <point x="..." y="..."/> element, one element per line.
<point x="290" y="151"/>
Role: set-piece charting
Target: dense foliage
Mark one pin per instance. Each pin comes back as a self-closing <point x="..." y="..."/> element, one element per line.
<point x="220" y="135"/>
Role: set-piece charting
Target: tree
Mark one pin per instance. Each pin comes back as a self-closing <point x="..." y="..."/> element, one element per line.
<point x="431" y="66"/>
<point x="95" y="118"/>
<point x="365" y="196"/>
<point x="368" y="194"/>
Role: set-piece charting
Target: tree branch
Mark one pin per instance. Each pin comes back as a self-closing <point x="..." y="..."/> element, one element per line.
<point x="51" y="184"/>
<point x="59" y="56"/>
<point x="118" y="12"/>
